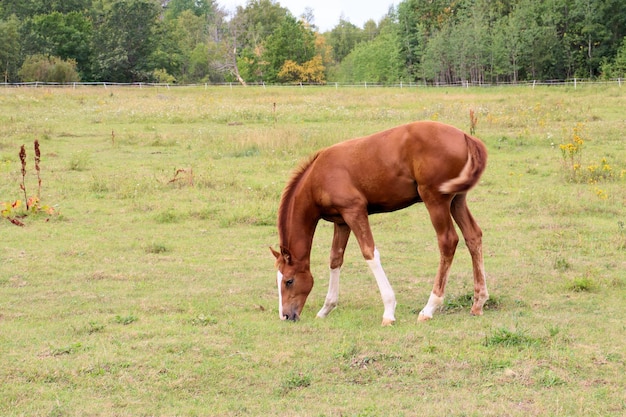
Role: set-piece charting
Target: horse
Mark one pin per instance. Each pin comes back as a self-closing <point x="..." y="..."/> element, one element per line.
<point x="421" y="162"/>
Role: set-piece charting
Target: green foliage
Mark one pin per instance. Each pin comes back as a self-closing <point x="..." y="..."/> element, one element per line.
<point x="578" y="170"/>
<point x="616" y="68"/>
<point x="202" y="320"/>
<point x="67" y="36"/>
<point x="376" y="61"/>
<point x="161" y="76"/>
<point x="126" y="320"/>
<point x="66" y="350"/>
<point x="9" y="49"/>
<point x="582" y="284"/>
<point x="157" y="248"/>
<point x="48" y="69"/>
<point x="295" y="380"/>
<point x="343" y="38"/>
<point x="510" y="338"/>
<point x="291" y="41"/>
<point x="125" y="39"/>
<point x="419" y="40"/>
<point x="79" y="161"/>
<point x="520" y="40"/>
<point x="197" y="7"/>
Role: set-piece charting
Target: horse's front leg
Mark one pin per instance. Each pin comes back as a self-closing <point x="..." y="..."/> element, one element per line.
<point x="386" y="292"/>
<point x="340" y="241"/>
<point x="359" y="223"/>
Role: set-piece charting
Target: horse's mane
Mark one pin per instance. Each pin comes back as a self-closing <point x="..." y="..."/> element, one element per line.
<point x="287" y="196"/>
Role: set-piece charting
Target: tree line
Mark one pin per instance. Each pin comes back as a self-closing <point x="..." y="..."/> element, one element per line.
<point x="191" y="41"/>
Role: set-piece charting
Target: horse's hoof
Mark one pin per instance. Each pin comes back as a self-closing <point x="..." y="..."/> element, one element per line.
<point x="388" y="322"/>
<point x="423" y="317"/>
<point x="476" y="312"/>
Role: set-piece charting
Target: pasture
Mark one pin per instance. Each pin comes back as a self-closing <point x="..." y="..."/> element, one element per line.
<point x="150" y="289"/>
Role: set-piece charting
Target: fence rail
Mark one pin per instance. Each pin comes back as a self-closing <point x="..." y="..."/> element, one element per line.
<point x="574" y="82"/>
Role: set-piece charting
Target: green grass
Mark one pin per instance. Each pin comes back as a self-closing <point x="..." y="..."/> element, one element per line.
<point x="146" y="296"/>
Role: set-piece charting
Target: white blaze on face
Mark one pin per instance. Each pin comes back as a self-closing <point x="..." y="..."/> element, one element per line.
<point x="279" y="282"/>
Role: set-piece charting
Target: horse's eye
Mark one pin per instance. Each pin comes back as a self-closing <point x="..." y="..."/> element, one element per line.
<point x="289" y="283"/>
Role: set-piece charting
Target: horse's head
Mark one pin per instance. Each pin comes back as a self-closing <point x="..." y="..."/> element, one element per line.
<point x="294" y="281"/>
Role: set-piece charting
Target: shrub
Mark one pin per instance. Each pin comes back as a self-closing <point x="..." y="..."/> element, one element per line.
<point x="48" y="69"/>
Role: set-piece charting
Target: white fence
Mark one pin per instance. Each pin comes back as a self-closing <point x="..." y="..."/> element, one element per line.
<point x="574" y="82"/>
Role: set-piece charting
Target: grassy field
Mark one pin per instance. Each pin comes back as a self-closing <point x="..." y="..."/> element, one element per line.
<point x="150" y="289"/>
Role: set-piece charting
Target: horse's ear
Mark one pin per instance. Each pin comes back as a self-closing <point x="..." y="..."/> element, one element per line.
<point x="276" y="254"/>
<point x="286" y="255"/>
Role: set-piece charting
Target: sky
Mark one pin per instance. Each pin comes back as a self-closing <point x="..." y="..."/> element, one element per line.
<point x="328" y="12"/>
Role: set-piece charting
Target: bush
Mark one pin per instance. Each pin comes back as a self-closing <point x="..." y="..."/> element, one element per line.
<point x="48" y="69"/>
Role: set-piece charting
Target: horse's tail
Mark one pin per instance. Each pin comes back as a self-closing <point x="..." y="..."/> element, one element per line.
<point x="473" y="169"/>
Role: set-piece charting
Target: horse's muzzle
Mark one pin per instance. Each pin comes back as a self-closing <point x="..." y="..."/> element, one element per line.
<point x="291" y="317"/>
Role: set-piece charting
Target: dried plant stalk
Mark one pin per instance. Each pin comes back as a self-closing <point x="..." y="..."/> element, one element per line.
<point x="23" y="184"/>
<point x="189" y="174"/>
<point x="473" y="122"/>
<point x="37" y="160"/>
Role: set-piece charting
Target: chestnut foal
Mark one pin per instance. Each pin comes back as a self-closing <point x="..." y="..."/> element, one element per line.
<point x="425" y="162"/>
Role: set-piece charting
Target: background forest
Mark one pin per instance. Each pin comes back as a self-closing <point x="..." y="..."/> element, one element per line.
<point x="426" y="41"/>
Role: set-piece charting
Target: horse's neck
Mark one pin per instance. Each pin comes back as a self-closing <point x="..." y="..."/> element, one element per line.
<point x="299" y="230"/>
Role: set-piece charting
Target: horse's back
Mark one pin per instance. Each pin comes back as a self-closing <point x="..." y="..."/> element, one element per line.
<point x="426" y="151"/>
<point x="383" y="170"/>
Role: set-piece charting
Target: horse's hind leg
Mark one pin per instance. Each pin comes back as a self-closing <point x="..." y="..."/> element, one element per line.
<point x="340" y="241"/>
<point x="438" y="206"/>
<point x="473" y="238"/>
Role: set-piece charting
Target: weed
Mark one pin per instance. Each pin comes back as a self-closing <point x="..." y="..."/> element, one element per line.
<point x="168" y="216"/>
<point x="99" y="185"/>
<point x="66" y="350"/>
<point x="23" y="161"/>
<point x="473" y="122"/>
<point x="561" y="264"/>
<point x="202" y="320"/>
<point x="38" y="168"/>
<point x="295" y="380"/>
<point x="510" y="338"/>
<point x="461" y="302"/>
<point x="126" y="320"/>
<point x="549" y="379"/>
<point x="156" y="248"/>
<point x="465" y="301"/>
<point x="79" y="161"/>
<point x="582" y="284"/>
<point x="576" y="171"/>
<point x="11" y="210"/>
<point x="95" y="327"/>
<point x="621" y="235"/>
<point x="185" y="178"/>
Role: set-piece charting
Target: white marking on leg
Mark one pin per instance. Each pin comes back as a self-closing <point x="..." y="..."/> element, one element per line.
<point x="434" y="302"/>
<point x="386" y="292"/>
<point x="332" y="297"/>
<point x="279" y="282"/>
